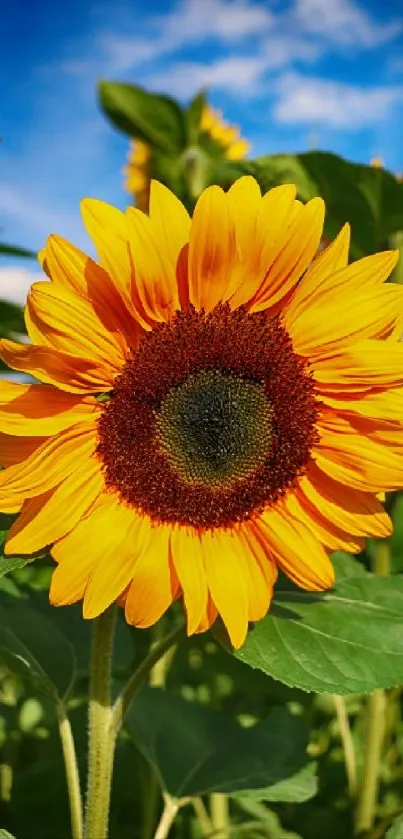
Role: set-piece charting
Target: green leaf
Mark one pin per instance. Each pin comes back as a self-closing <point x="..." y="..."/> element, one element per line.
<point x="194" y="114"/>
<point x="14" y="250"/>
<point x="346" y="641"/>
<point x="370" y="199"/>
<point x="396" y="831"/>
<point x="32" y="646"/>
<point x="300" y="787"/>
<point x="212" y="753"/>
<point x="4" y="834"/>
<point x="158" y="120"/>
<point x="14" y="563"/>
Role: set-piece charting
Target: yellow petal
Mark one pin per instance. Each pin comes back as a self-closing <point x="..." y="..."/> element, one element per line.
<point x="336" y="321"/>
<point x="212" y="249"/>
<point x="72" y="269"/>
<point x="294" y="253"/>
<point x="325" y="273"/>
<point x="46" y="467"/>
<point x="187" y="557"/>
<point x="107" y="228"/>
<point x="69" y="372"/>
<point x="15" y="449"/>
<point x="364" y="365"/>
<point x="30" y="410"/>
<point x="59" y="319"/>
<point x="295" y="549"/>
<point x="356" y="460"/>
<point x="268" y="231"/>
<point x="227" y="578"/>
<point x="154" y="289"/>
<point x="153" y="588"/>
<point x="349" y="509"/>
<point x="53" y="514"/>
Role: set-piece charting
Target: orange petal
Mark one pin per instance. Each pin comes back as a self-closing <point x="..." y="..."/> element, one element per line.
<point x="154" y="289"/>
<point x="187" y="558"/>
<point x="53" y="461"/>
<point x="356" y="460"/>
<point x="171" y="223"/>
<point x="212" y="249"/>
<point x="329" y="324"/>
<point x="58" y="318"/>
<point x="228" y="580"/>
<point x="30" y="410"/>
<point x="319" y="280"/>
<point x="294" y="253"/>
<point x="295" y="549"/>
<point x="268" y="231"/>
<point x="326" y="531"/>
<point x="378" y="405"/>
<point x="54" y="513"/>
<point x="69" y="372"/>
<point x="15" y="449"/>
<point x="108" y="230"/>
<point x="349" y="509"/>
<point x="364" y="365"/>
<point x="96" y="540"/>
<point x="244" y="201"/>
<point x="72" y="269"/>
<point x="153" y="588"/>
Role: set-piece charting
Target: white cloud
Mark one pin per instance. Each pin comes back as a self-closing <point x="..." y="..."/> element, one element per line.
<point x="240" y="75"/>
<point x="342" y="22"/>
<point x="15" y="283"/>
<point x="191" y="21"/>
<point x="317" y="101"/>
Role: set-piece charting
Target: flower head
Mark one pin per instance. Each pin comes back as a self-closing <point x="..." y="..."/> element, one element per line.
<point x="137" y="171"/>
<point x="219" y="401"/>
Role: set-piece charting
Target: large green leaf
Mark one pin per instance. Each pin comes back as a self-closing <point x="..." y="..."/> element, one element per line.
<point x="158" y="120"/>
<point x="349" y="640"/>
<point x="13" y="563"/>
<point x="212" y="753"/>
<point x="300" y="787"/>
<point x="371" y="199"/>
<point x="33" y="646"/>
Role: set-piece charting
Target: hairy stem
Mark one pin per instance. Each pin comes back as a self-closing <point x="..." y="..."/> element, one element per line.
<point x="101" y="733"/>
<point x="72" y="774"/>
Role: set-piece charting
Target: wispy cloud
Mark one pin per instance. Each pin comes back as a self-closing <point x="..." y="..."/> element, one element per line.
<point x="318" y="101"/>
<point x="342" y="22"/>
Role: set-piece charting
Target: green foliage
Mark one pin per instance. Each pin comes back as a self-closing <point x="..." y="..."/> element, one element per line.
<point x="214" y="753"/>
<point x="14" y="250"/>
<point x="346" y="641"/>
<point x="396" y="831"/>
<point x="158" y="120"/>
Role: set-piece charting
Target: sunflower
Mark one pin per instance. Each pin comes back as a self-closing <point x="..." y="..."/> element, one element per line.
<point x="212" y="124"/>
<point x="218" y="401"/>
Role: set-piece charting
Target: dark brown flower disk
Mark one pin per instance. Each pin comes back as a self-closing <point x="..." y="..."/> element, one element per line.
<point x="211" y="420"/>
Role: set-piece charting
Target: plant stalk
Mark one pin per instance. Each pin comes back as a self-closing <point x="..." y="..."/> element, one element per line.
<point x="72" y="773"/>
<point x="375" y="729"/>
<point x="171" y="807"/>
<point x="102" y="736"/>
<point x="347" y="742"/>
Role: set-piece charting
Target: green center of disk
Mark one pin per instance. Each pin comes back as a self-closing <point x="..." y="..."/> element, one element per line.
<point x="215" y="429"/>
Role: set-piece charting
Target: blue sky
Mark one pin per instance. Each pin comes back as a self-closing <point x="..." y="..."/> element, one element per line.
<point x="294" y="75"/>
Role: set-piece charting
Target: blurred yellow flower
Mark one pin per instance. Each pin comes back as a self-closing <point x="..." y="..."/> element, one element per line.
<point x="137" y="171"/>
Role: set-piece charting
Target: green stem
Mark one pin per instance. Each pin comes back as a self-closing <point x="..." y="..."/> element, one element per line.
<point x="72" y="774"/>
<point x="102" y="736"/>
<point x="375" y="728"/>
<point x="168" y="816"/>
<point x="347" y="742"/>
<point x="372" y="756"/>
<point x="219" y="812"/>
<point x="132" y="687"/>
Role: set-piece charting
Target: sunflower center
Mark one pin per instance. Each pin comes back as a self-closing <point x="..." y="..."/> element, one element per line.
<point x="212" y="418"/>
<point x="215" y="428"/>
